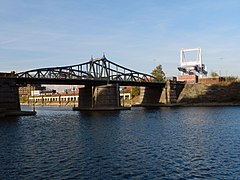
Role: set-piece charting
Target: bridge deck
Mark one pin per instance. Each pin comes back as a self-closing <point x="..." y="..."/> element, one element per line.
<point x="94" y="82"/>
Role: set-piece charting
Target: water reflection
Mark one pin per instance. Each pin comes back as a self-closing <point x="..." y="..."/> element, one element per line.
<point x="170" y="143"/>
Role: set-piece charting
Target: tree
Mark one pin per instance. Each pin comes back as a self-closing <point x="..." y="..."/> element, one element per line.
<point x="158" y="73"/>
<point x="135" y="91"/>
<point x="214" y="74"/>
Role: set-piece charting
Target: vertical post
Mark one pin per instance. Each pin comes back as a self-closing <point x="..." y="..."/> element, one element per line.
<point x="200" y="57"/>
<point x="181" y="59"/>
<point x="118" y="95"/>
<point x="96" y="100"/>
<point x="33" y="99"/>
<point x="74" y="99"/>
<point x="123" y="98"/>
<point x="59" y="100"/>
<point x="92" y="95"/>
<point x="131" y="96"/>
<point x="166" y="94"/>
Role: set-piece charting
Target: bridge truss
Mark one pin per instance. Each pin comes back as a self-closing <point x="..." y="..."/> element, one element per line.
<point x="100" y="69"/>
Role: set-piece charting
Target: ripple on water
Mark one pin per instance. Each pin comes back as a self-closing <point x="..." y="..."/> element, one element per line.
<point x="161" y="143"/>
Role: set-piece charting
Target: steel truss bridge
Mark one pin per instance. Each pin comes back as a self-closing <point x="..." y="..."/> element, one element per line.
<point x="97" y="71"/>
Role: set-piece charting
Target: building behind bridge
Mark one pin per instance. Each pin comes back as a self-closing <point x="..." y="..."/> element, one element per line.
<point x="40" y="95"/>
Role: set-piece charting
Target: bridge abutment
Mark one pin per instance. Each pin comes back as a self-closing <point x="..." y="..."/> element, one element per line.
<point x="9" y="97"/>
<point x="171" y="92"/>
<point x="158" y="96"/>
<point x="85" y="97"/>
<point x="105" y="97"/>
<point x="150" y="96"/>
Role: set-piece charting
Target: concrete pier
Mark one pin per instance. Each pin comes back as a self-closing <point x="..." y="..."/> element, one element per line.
<point x="99" y="98"/>
<point x="150" y="96"/>
<point x="171" y="92"/>
<point x="157" y="96"/>
<point x="9" y="97"/>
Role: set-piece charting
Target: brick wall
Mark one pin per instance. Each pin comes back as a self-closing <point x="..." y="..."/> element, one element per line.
<point x="212" y="80"/>
<point x="188" y="78"/>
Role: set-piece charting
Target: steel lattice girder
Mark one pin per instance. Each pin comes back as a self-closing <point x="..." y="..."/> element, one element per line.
<point x="95" y="69"/>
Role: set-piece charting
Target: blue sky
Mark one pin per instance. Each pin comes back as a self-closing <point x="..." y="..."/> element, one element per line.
<point x="138" y="34"/>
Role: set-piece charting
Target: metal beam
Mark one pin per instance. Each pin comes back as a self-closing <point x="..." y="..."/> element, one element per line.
<point x="95" y="71"/>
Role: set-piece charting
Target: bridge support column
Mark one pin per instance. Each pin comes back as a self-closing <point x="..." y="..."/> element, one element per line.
<point x="9" y="97"/>
<point x="85" y="97"/>
<point x="171" y="92"/>
<point x="158" y="96"/>
<point x="105" y="97"/>
<point x="150" y="96"/>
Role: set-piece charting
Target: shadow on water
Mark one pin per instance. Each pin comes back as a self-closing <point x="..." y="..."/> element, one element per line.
<point x="157" y="109"/>
<point x="7" y="120"/>
<point x="98" y="114"/>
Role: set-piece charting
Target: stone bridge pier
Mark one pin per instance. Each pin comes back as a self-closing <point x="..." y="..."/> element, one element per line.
<point x="105" y="97"/>
<point x="9" y="97"/>
<point x="161" y="96"/>
<point x="150" y="96"/>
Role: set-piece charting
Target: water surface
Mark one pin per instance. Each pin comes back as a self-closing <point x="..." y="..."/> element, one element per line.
<point x="161" y="143"/>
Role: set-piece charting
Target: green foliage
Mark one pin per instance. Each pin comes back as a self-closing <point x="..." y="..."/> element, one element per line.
<point x="125" y="91"/>
<point x="158" y="73"/>
<point x="135" y="91"/>
<point x="214" y="74"/>
<point x="23" y="99"/>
